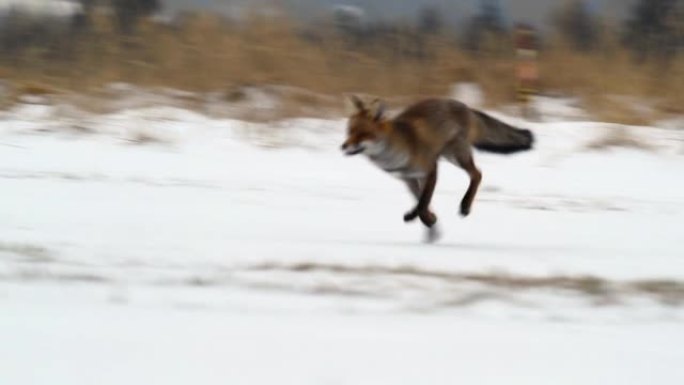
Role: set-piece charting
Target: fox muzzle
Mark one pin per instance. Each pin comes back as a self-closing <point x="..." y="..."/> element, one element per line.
<point x="352" y="149"/>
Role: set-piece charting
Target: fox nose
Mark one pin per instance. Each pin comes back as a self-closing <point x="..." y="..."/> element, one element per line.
<point x="344" y="146"/>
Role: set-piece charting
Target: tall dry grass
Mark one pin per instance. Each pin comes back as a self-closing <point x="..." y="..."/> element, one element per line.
<point x="613" y="85"/>
<point x="206" y="53"/>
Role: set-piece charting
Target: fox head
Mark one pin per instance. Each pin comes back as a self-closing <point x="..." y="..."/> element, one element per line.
<point x="365" y="131"/>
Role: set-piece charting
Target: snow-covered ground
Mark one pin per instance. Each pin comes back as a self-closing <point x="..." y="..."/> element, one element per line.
<point x="160" y="245"/>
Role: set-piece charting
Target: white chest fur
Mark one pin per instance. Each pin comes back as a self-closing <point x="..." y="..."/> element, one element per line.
<point x="394" y="162"/>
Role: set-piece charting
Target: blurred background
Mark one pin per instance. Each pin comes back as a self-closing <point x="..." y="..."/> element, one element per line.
<point x="175" y="207"/>
<point x="602" y="51"/>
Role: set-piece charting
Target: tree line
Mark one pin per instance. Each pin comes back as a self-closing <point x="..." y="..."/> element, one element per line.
<point x="653" y="28"/>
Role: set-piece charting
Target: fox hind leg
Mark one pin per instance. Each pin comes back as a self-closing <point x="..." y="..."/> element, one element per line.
<point x="460" y="154"/>
<point x="468" y="164"/>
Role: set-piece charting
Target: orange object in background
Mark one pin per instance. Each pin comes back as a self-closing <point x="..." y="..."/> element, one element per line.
<point x="527" y="68"/>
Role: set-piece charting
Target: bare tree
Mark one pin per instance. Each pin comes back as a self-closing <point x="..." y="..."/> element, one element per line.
<point x="577" y="25"/>
<point x="487" y="25"/>
<point x="129" y="12"/>
<point x="655" y="28"/>
<point x="430" y="20"/>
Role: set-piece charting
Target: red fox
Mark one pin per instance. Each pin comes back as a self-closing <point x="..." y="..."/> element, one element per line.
<point x="409" y="145"/>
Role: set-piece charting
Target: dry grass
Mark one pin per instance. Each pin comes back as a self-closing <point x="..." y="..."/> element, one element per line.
<point x="599" y="290"/>
<point x="618" y="137"/>
<point x="205" y="53"/>
<point x="605" y="78"/>
<point x="28" y="251"/>
<point x="609" y="108"/>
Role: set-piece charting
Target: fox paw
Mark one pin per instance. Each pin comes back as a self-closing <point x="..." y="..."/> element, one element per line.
<point x="465" y="210"/>
<point x="411" y="215"/>
<point x="429" y="219"/>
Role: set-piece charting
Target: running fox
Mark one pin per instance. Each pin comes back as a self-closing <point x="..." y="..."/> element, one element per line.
<point x="410" y="145"/>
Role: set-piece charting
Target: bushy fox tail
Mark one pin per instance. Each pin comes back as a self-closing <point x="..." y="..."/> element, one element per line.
<point x="496" y="136"/>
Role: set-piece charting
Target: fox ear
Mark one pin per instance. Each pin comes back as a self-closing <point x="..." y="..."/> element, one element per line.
<point x="358" y="103"/>
<point x="378" y="109"/>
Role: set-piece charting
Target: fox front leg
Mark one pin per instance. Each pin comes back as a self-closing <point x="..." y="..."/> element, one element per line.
<point x="427" y="217"/>
<point x="424" y="196"/>
<point x="414" y="186"/>
<point x="432" y="233"/>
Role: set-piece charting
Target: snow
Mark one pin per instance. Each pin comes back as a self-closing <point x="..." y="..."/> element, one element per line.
<point x="58" y="8"/>
<point x="142" y="346"/>
<point x="159" y="245"/>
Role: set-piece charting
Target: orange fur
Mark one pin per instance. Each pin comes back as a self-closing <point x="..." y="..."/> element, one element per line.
<point x="410" y="145"/>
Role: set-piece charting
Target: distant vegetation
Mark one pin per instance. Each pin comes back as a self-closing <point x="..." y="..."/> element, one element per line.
<point x="583" y="55"/>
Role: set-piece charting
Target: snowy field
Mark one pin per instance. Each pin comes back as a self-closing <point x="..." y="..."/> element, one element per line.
<point x="156" y="245"/>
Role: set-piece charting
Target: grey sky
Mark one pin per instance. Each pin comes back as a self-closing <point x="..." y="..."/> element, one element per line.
<point x="535" y="11"/>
